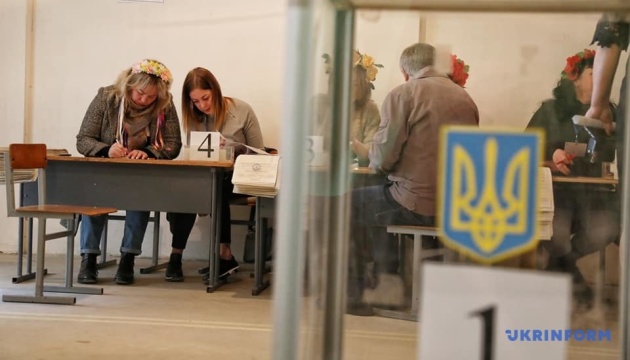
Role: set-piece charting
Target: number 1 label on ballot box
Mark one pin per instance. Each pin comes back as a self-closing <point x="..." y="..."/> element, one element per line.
<point x="204" y="145"/>
<point x="480" y="313"/>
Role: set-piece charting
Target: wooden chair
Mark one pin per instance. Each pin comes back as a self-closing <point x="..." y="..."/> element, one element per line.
<point x="33" y="156"/>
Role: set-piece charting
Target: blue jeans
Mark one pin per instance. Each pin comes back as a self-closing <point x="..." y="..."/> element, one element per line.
<point x="135" y="227"/>
<point x="373" y="208"/>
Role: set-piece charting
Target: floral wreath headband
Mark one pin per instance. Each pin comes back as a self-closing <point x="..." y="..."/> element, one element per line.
<point x="362" y="60"/>
<point x="459" y="71"/>
<point x="572" y="68"/>
<point x="366" y="62"/>
<point x="153" y="67"/>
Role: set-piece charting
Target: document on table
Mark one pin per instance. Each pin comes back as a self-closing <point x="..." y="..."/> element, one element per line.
<point x="545" y="190"/>
<point x="257" y="175"/>
<point x="545" y="203"/>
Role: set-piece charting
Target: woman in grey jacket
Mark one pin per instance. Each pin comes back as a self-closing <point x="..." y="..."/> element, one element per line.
<point x="204" y="108"/>
<point x="134" y="118"/>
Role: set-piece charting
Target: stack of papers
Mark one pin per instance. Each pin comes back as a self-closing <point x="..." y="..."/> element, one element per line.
<point x="545" y="205"/>
<point x="23" y="175"/>
<point x="257" y="175"/>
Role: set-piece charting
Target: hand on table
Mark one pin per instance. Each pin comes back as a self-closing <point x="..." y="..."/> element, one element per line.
<point x="137" y="154"/>
<point x="360" y="149"/>
<point x="561" y="160"/>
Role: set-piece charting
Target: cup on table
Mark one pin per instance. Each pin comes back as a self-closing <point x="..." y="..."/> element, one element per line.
<point x="227" y="153"/>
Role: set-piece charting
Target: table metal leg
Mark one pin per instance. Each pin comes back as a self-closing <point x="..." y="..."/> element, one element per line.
<point x="104" y="262"/>
<point x="215" y="233"/>
<point x="20" y="276"/>
<point x="413" y="313"/>
<point x="29" y="253"/>
<point x="156" y="248"/>
<point x="20" y="248"/>
<point x="260" y="252"/>
<point x="601" y="280"/>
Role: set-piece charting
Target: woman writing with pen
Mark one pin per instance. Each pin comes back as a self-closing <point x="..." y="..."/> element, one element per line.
<point x="586" y="218"/>
<point x="134" y="118"/>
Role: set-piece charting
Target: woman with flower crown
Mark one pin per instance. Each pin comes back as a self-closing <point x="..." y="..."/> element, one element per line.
<point x="204" y="108"/>
<point x="134" y="118"/>
<point x="586" y="219"/>
<point x="365" y="116"/>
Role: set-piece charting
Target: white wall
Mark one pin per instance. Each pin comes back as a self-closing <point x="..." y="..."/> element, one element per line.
<point x="384" y="35"/>
<point x="12" y="38"/>
<point x="82" y="45"/>
<point x="515" y="60"/>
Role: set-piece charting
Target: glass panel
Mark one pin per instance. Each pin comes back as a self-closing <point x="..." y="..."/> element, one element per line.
<point x="515" y="65"/>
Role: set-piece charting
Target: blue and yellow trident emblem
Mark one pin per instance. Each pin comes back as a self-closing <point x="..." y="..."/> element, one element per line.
<point x="489" y="192"/>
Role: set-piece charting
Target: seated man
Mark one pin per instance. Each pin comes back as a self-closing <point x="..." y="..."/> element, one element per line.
<point x="405" y="147"/>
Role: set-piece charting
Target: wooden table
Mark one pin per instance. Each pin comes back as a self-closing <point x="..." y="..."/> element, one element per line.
<point x="584" y="180"/>
<point x="186" y="186"/>
<point x="363" y="171"/>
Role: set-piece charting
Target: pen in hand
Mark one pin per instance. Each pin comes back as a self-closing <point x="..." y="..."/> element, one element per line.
<point x="117" y="150"/>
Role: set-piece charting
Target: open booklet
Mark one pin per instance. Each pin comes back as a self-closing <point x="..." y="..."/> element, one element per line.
<point x="241" y="148"/>
<point x="257" y="175"/>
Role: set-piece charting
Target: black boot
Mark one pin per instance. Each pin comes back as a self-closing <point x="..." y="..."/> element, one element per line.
<point x="174" y="271"/>
<point x="124" y="275"/>
<point x="88" y="273"/>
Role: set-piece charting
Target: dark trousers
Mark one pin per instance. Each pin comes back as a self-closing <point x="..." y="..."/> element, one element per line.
<point x="181" y="224"/>
<point x="372" y="209"/>
<point x="586" y="220"/>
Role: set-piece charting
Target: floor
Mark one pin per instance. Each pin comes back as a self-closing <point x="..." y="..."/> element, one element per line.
<point x="153" y="319"/>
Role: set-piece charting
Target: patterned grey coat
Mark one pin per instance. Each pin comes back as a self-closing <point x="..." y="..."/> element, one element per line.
<point x="98" y="130"/>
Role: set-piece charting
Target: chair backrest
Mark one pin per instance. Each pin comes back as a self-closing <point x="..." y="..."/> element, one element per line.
<point x="27" y="156"/>
<point x="22" y="157"/>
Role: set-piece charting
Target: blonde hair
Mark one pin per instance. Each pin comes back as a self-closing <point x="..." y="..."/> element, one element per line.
<point x="200" y="78"/>
<point x="364" y="92"/>
<point x="127" y="81"/>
